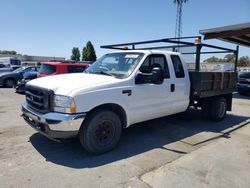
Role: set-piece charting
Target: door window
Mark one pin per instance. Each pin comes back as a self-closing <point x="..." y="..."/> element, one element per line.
<point x="153" y="61"/>
<point x="178" y="67"/>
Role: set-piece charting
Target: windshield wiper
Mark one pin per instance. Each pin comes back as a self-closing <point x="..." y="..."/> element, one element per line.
<point x="104" y="73"/>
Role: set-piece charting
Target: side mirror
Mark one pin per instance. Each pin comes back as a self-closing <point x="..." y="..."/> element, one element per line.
<point x="143" y="78"/>
<point x="157" y="75"/>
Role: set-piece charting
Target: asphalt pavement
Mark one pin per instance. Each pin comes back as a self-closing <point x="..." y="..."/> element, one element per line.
<point x="156" y="153"/>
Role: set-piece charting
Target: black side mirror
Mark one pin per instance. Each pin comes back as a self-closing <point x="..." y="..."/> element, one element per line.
<point x="157" y="75"/>
<point x="143" y="78"/>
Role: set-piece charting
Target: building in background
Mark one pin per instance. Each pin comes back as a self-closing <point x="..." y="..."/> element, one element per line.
<point x="32" y="60"/>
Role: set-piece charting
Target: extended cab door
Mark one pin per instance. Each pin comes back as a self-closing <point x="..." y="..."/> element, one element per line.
<point x="180" y="84"/>
<point x="148" y="100"/>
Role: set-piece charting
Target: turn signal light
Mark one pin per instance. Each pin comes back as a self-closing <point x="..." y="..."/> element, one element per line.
<point x="73" y="110"/>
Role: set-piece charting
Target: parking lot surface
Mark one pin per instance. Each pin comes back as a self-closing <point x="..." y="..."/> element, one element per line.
<point x="28" y="159"/>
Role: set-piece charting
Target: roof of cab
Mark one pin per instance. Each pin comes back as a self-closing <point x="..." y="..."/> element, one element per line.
<point x="146" y="52"/>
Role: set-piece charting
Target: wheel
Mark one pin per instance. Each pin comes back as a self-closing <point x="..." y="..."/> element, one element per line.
<point x="100" y="132"/>
<point x="218" y="109"/>
<point x="10" y="83"/>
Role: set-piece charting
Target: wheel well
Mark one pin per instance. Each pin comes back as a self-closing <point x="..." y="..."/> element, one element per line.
<point x="115" y="108"/>
<point x="228" y="97"/>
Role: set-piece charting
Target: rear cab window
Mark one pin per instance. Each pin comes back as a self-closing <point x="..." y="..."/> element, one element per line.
<point x="178" y="67"/>
<point x="47" y="69"/>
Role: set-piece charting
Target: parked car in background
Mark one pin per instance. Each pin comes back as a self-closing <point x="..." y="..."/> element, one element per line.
<point x="27" y="76"/>
<point x="54" y="68"/>
<point x="10" y="79"/>
<point x="3" y="68"/>
<point x="243" y="84"/>
<point x="10" y="62"/>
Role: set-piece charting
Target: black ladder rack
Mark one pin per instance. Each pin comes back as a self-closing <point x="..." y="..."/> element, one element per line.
<point x="178" y="43"/>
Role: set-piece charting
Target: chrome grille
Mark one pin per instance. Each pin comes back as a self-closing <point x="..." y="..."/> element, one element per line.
<point x="38" y="99"/>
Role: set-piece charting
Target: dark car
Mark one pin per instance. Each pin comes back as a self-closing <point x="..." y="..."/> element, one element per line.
<point x="243" y="84"/>
<point x="20" y="88"/>
<point x="11" y="79"/>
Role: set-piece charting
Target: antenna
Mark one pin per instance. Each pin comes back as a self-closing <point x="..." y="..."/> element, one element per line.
<point x="178" y="26"/>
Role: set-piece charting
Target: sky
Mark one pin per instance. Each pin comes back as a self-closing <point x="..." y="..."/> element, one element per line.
<point x="54" y="27"/>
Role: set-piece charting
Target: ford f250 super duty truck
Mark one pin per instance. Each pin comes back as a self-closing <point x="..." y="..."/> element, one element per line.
<point x="123" y="88"/>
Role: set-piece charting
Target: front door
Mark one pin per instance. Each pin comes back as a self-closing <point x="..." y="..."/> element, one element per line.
<point x="149" y="100"/>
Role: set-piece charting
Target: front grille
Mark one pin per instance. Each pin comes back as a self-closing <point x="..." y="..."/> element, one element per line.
<point x="39" y="99"/>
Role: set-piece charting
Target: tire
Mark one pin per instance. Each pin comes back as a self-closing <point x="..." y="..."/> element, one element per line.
<point x="218" y="109"/>
<point x="9" y="83"/>
<point x="100" y="132"/>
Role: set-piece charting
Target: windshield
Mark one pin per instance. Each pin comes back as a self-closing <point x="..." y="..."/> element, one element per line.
<point x="19" y="70"/>
<point x="47" y="69"/>
<point x="119" y="65"/>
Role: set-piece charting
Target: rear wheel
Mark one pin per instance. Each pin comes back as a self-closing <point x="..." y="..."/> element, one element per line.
<point x="100" y="132"/>
<point x="214" y="109"/>
<point x="218" y="109"/>
<point x="10" y="83"/>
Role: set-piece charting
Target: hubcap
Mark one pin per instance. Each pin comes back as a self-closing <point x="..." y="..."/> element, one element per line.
<point x="104" y="132"/>
<point x="10" y="83"/>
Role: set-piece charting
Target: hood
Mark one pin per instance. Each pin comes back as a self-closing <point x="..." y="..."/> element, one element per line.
<point x="64" y="84"/>
<point x="7" y="73"/>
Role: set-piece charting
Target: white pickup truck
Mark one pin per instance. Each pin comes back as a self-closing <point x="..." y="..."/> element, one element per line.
<point x="118" y="90"/>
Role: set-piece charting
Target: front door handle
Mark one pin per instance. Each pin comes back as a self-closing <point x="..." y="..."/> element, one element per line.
<point x="172" y="87"/>
<point x="128" y="92"/>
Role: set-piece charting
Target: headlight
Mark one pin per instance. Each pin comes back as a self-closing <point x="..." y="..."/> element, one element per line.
<point x="64" y="104"/>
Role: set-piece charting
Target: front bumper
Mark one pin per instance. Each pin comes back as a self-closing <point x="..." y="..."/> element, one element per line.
<point x="52" y="124"/>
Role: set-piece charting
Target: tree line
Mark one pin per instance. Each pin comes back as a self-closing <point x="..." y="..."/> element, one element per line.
<point x="88" y="53"/>
<point x="243" y="61"/>
<point x="7" y="52"/>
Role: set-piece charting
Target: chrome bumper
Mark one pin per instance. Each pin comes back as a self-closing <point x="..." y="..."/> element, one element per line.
<point x="52" y="124"/>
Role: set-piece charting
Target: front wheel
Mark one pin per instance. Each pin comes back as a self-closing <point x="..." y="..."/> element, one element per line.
<point x="100" y="132"/>
<point x="10" y="83"/>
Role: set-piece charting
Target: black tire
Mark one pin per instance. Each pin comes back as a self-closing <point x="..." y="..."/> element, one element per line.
<point x="9" y="83"/>
<point x="100" y="132"/>
<point x="218" y="109"/>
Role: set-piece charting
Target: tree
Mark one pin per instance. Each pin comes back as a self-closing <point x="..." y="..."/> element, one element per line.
<point x="88" y="52"/>
<point x="212" y="59"/>
<point x="6" y="52"/>
<point x="244" y="61"/>
<point x="75" y="54"/>
<point x="229" y="58"/>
